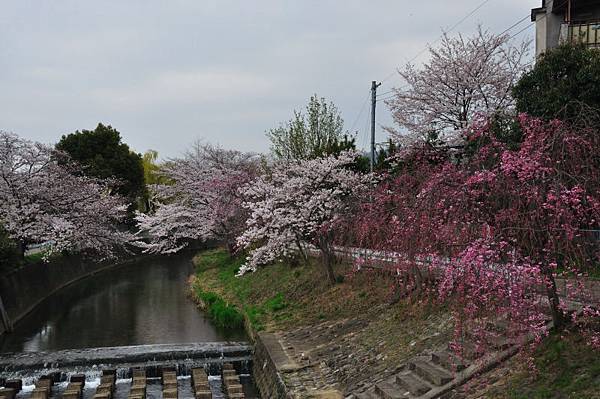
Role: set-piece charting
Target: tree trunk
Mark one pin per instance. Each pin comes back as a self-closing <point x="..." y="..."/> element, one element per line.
<point x="231" y="246"/>
<point x="554" y="301"/>
<point x="327" y="258"/>
<point x="21" y="246"/>
<point x="301" y="250"/>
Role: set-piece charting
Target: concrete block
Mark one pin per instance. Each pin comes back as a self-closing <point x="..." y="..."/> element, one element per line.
<point x="15" y="384"/>
<point x="235" y="380"/>
<point x="105" y="388"/>
<point x="228" y="366"/>
<point x="71" y="395"/>
<point x="235" y="388"/>
<point x="44" y="383"/>
<point x="229" y="372"/>
<point x="202" y="386"/>
<point x="105" y="395"/>
<point x="76" y="385"/>
<point x="204" y="395"/>
<point x="170" y="394"/>
<point x="138" y="391"/>
<point x="40" y="393"/>
<point x="8" y="393"/>
<point x="139" y="373"/>
<point x="108" y="378"/>
<point x="78" y="378"/>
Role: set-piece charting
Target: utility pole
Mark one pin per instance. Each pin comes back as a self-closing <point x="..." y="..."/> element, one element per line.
<point x="374" y="86"/>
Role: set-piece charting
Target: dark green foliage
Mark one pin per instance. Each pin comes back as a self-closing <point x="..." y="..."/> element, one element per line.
<point x="222" y="313"/>
<point x="564" y="83"/>
<point x="10" y="257"/>
<point x="382" y="161"/>
<point x="102" y="154"/>
<point x="505" y="128"/>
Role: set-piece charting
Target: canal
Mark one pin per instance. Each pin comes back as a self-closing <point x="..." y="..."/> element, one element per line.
<point x="136" y="304"/>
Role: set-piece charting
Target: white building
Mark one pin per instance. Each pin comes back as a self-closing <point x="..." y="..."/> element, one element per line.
<point x="559" y="21"/>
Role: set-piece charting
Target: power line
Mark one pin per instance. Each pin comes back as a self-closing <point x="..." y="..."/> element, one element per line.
<point x="456" y="25"/>
<point x="519" y="22"/>
<point x="362" y="109"/>
<point x="521" y="31"/>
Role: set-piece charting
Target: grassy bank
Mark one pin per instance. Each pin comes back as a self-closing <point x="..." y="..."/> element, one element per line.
<point x="281" y="296"/>
<point x="562" y="367"/>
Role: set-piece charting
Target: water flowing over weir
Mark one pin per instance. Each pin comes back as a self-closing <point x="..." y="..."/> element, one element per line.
<point x="61" y="366"/>
<point x="135" y="317"/>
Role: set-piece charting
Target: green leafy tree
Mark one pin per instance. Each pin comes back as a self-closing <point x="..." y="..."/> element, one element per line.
<point x="102" y="154"/>
<point x="316" y="133"/>
<point x="151" y="168"/>
<point x="564" y="84"/>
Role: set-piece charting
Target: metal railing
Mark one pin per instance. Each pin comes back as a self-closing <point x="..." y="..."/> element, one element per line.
<point x="587" y="33"/>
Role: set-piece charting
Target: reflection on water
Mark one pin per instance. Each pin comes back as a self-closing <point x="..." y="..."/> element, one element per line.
<point x="145" y="303"/>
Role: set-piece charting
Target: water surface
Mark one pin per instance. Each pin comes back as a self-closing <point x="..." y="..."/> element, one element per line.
<point x="143" y="303"/>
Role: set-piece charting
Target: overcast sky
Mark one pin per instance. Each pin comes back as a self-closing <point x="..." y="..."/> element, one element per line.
<point x="166" y="73"/>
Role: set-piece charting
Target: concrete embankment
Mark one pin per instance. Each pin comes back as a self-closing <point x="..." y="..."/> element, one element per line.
<point x="23" y="289"/>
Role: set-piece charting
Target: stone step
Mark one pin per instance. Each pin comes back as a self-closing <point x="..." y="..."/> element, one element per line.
<point x="413" y="383"/>
<point x="430" y="372"/>
<point x="449" y="361"/>
<point x="385" y="390"/>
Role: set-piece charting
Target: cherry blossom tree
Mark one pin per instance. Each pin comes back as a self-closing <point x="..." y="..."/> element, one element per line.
<point x="199" y="201"/>
<point x="46" y="199"/>
<point x="464" y="77"/>
<point x="499" y="228"/>
<point x="299" y="203"/>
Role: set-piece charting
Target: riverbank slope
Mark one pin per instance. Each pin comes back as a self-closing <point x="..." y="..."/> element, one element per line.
<point x="339" y="339"/>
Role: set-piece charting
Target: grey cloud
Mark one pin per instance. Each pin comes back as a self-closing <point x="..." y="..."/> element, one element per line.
<point x="168" y="73"/>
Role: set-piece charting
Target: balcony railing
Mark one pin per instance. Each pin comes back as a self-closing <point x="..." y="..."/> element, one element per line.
<point x="587" y="33"/>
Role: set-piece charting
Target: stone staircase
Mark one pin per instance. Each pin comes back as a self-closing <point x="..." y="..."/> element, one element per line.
<point x="432" y="375"/>
<point x="436" y="374"/>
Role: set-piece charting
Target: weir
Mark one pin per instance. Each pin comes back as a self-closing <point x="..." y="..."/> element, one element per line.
<point x="22" y="373"/>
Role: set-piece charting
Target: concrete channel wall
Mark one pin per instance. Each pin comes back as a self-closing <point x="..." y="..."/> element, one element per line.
<point x="23" y="289"/>
<point x="266" y="370"/>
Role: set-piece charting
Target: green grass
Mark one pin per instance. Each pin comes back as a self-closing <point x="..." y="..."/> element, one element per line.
<point x="222" y="266"/>
<point x="565" y="367"/>
<point x="222" y="313"/>
<point x="37" y="257"/>
<point x="280" y="295"/>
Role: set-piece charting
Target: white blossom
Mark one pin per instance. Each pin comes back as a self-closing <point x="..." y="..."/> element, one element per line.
<point x="44" y="198"/>
<point x="295" y="203"/>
